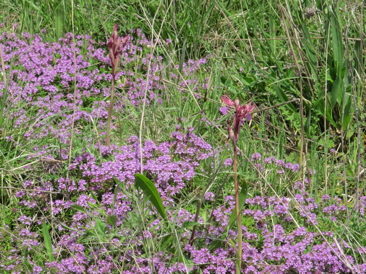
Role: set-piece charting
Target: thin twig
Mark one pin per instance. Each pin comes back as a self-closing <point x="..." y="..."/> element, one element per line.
<point x="276" y="106"/>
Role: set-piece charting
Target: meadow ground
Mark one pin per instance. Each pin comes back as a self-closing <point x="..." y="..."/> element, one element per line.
<point x="131" y="150"/>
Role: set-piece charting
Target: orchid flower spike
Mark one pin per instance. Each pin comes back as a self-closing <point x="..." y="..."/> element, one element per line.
<point x="115" y="45"/>
<point x="241" y="112"/>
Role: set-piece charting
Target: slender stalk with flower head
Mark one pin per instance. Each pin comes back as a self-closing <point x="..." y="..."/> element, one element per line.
<point x="115" y="46"/>
<point x="241" y="112"/>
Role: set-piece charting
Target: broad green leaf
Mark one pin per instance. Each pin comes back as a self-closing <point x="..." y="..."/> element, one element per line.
<point x="150" y="191"/>
<point x="112" y="220"/>
<point x="47" y="242"/>
<point x="336" y="95"/>
<point x="338" y="48"/>
<point x="100" y="227"/>
<point x="79" y="208"/>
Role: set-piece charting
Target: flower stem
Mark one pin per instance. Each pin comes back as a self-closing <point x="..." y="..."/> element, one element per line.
<point x="110" y="108"/>
<point x="238" y="213"/>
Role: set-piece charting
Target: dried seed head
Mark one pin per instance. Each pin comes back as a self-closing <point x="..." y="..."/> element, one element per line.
<point x="310" y="12"/>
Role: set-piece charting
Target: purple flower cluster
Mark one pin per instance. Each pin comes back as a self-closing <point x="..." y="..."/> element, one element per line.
<point x="272" y="162"/>
<point x="279" y="234"/>
<point x="169" y="174"/>
<point x="66" y="82"/>
<point x="170" y="164"/>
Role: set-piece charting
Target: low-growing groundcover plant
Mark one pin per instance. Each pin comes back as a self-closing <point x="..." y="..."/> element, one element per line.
<point x="69" y="202"/>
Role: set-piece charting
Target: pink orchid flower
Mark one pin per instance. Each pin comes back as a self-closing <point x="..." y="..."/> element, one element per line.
<point x="115" y="45"/>
<point x="241" y="112"/>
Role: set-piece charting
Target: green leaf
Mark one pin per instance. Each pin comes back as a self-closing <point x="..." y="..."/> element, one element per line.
<point x="215" y="245"/>
<point x="320" y="107"/>
<point x="248" y="81"/>
<point x="112" y="220"/>
<point x="100" y="227"/>
<point x="151" y="192"/>
<point x="329" y="77"/>
<point x="338" y="48"/>
<point x="119" y="183"/>
<point x="337" y="92"/>
<point x="189" y="224"/>
<point x="283" y="98"/>
<point x="47" y="242"/>
<point x="347" y="112"/>
<point x="167" y="243"/>
<point x="308" y="125"/>
<point x="242" y="197"/>
<point x="78" y="208"/>
<point x="309" y="47"/>
<point x="94" y="196"/>
<point x="92" y="206"/>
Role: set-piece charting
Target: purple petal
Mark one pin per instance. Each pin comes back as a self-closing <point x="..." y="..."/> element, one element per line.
<point x="224" y="110"/>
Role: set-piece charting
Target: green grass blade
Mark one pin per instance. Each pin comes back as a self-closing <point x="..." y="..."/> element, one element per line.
<point x="272" y="31"/>
<point x="59" y="19"/>
<point x="310" y="51"/>
<point x="307" y="127"/>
